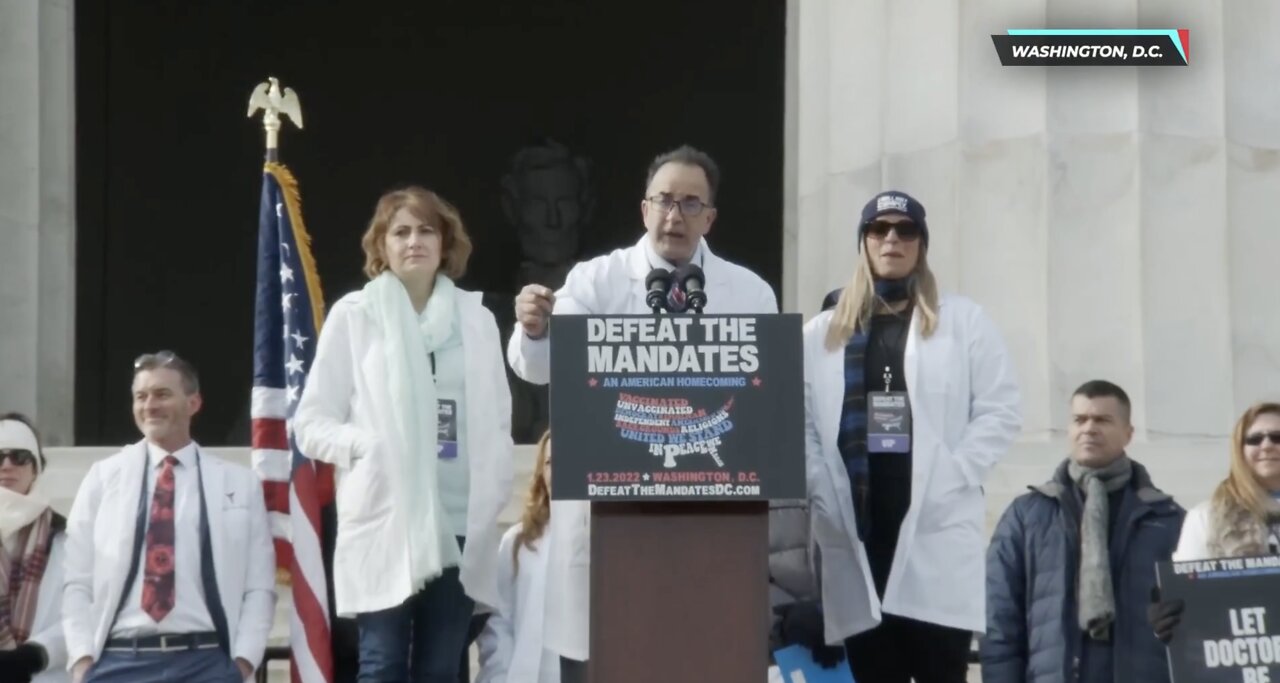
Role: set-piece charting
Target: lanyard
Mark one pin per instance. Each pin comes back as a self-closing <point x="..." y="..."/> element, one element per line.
<point x="888" y="350"/>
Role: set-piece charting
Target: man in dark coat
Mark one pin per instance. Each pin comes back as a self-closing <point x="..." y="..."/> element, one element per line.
<point x="1071" y="566"/>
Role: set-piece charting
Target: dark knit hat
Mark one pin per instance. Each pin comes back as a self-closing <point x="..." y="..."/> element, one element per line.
<point x="893" y="201"/>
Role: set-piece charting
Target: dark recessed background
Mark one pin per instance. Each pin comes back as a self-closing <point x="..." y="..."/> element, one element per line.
<point x="439" y="93"/>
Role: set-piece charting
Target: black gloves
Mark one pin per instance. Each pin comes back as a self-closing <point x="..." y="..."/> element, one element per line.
<point x="20" y="664"/>
<point x="802" y="625"/>
<point x="1164" y="615"/>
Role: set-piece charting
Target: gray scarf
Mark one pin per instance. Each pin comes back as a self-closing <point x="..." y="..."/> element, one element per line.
<point x="1095" y="596"/>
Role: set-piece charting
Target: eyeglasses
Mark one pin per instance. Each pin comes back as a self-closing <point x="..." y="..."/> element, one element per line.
<point x="907" y="231"/>
<point x="152" y="360"/>
<point x="20" y="457"/>
<point x="1257" y="438"/>
<point x="689" y="206"/>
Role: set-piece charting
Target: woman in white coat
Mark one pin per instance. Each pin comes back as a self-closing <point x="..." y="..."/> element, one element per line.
<point x="408" y="397"/>
<point x="31" y="545"/>
<point x="511" y="646"/>
<point x="910" y="400"/>
<point x="1242" y="518"/>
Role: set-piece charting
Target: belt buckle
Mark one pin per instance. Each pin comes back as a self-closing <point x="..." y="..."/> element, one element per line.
<point x="164" y="642"/>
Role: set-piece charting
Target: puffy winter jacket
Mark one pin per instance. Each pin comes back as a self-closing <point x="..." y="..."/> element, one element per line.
<point x="791" y="566"/>
<point x="1032" y="631"/>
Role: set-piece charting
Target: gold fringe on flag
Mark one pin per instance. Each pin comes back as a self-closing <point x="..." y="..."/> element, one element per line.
<point x="293" y="203"/>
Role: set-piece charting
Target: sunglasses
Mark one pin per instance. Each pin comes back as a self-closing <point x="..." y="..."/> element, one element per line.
<point x="20" y="457"/>
<point x="152" y="360"/>
<point x="907" y="231"/>
<point x="1257" y="438"/>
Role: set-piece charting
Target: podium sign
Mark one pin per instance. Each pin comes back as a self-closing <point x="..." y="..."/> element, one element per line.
<point x="1230" y="628"/>
<point x="677" y="407"/>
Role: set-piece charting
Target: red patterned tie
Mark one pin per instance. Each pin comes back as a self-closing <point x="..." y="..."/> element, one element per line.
<point x="158" y="583"/>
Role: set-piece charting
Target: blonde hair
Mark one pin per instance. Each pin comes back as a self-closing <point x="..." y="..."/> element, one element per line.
<point x="1242" y="489"/>
<point x="430" y="208"/>
<point x="858" y="302"/>
<point x="537" y="510"/>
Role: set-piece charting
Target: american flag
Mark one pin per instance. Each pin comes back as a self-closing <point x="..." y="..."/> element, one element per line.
<point x="287" y="318"/>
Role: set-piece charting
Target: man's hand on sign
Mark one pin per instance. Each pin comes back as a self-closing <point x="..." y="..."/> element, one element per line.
<point x="1164" y="615"/>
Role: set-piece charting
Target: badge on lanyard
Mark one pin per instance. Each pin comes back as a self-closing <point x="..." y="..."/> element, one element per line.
<point x="447" y="428"/>
<point x="888" y="422"/>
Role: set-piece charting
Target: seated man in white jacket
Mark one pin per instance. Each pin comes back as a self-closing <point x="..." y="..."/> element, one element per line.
<point x="678" y="209"/>
<point x="31" y="540"/>
<point x="170" y="569"/>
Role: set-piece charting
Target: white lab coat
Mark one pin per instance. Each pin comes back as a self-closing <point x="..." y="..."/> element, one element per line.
<point x="46" y="628"/>
<point x="610" y="284"/>
<point x="344" y="410"/>
<point x="965" y="414"/>
<point x="100" y="533"/>
<point x="1193" y="540"/>
<point x="511" y="645"/>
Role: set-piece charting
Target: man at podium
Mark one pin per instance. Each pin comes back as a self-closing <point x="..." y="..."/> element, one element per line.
<point x="678" y="210"/>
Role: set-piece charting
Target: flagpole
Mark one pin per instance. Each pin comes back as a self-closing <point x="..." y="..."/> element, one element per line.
<point x="274" y="101"/>
<point x="295" y="489"/>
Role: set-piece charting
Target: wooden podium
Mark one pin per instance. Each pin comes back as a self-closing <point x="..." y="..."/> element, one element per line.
<point x="679" y="592"/>
<point x="679" y="448"/>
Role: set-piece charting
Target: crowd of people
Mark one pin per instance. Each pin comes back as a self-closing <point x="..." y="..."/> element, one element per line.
<point x="164" y="568"/>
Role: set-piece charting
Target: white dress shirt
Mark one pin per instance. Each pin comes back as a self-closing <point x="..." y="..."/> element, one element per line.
<point x="190" y="611"/>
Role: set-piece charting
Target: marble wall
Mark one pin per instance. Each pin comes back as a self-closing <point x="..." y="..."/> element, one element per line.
<point x="37" y="213"/>
<point x="1117" y="222"/>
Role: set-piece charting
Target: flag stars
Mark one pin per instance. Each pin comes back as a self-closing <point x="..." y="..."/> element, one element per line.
<point x="293" y="393"/>
<point x="285" y="300"/>
<point x="280" y="212"/>
<point x="286" y="273"/>
<point x="298" y="339"/>
<point x="294" y="365"/>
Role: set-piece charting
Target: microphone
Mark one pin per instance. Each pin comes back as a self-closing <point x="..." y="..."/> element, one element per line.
<point x="691" y="279"/>
<point x="657" y="282"/>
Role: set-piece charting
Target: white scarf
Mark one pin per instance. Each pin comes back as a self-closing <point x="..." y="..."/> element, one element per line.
<point x="408" y="340"/>
<point x="17" y="510"/>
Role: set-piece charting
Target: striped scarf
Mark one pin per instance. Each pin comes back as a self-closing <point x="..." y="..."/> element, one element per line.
<point x="851" y="440"/>
<point x="20" y="578"/>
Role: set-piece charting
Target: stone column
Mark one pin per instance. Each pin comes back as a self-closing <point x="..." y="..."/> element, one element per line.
<point x="1115" y="222"/>
<point x="37" y="213"/>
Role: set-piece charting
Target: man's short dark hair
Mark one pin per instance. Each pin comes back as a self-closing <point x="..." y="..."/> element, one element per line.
<point x="1100" y="388"/>
<point x="171" y="360"/>
<point x="688" y="156"/>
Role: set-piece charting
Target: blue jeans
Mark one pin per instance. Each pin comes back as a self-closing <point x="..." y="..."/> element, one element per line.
<point x="189" y="666"/>
<point x="421" y="640"/>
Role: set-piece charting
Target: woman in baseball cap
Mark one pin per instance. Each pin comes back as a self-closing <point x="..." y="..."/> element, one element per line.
<point x="912" y="400"/>
<point x="31" y="538"/>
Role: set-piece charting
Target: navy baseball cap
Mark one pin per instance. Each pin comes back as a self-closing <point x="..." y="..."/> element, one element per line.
<point x="893" y="201"/>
